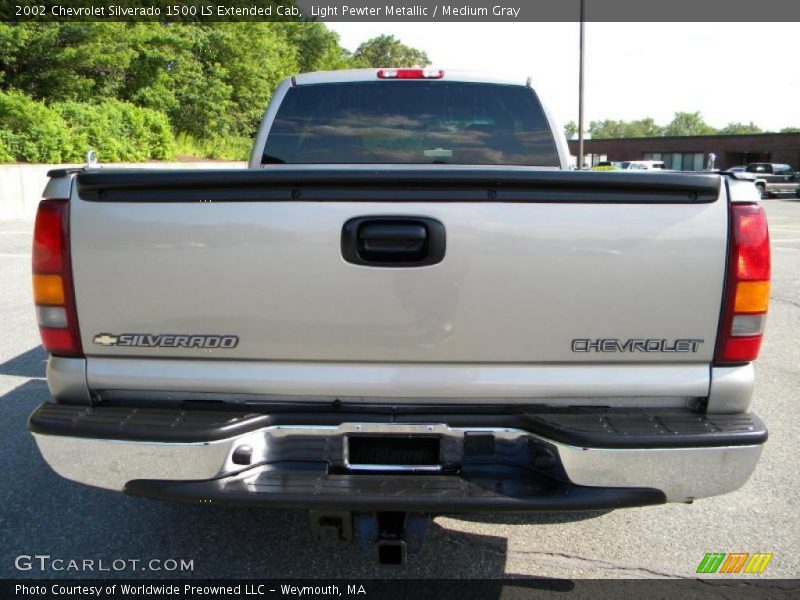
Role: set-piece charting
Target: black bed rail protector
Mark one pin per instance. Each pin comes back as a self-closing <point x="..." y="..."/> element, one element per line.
<point x="595" y="429"/>
<point x="492" y="489"/>
<point x="64" y="171"/>
<point x="399" y="184"/>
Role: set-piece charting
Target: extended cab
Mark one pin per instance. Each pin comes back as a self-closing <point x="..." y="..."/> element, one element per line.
<point x="406" y="305"/>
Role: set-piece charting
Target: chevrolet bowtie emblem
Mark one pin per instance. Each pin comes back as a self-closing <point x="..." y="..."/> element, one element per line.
<point x="105" y="339"/>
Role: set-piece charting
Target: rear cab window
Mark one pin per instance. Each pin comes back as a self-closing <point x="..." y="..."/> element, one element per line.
<point x="411" y="122"/>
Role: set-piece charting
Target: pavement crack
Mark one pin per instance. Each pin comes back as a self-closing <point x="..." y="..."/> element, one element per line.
<point x="785" y="301"/>
<point x="503" y="550"/>
<point x="603" y="564"/>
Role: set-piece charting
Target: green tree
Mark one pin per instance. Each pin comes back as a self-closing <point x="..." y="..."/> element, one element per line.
<point x="66" y="61"/>
<point x="316" y="48"/>
<point x="607" y="128"/>
<point x="740" y="128"/>
<point x="388" y="51"/>
<point x="33" y="132"/>
<point x="571" y="129"/>
<point x="790" y="130"/>
<point x="119" y="131"/>
<point x="688" y="123"/>
<point x="646" y="127"/>
<point x="212" y="80"/>
<point x="5" y="151"/>
<point x="249" y="60"/>
<point x="610" y="128"/>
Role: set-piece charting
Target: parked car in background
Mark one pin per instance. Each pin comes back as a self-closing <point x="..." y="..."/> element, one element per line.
<point x="739" y="169"/>
<point x="643" y="165"/>
<point x="606" y="165"/>
<point x="775" y="178"/>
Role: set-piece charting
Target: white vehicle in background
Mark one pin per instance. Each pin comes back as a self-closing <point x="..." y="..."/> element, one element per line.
<point x="643" y="165"/>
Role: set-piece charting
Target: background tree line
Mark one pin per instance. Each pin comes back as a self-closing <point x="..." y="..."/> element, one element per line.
<point x="138" y="91"/>
<point x="684" y="123"/>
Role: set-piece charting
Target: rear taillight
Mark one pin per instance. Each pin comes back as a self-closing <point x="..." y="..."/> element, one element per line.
<point x="53" y="293"/>
<point x="744" y="310"/>
<point x="415" y="73"/>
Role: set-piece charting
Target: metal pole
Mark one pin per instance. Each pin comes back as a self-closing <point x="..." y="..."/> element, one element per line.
<point x="580" y="93"/>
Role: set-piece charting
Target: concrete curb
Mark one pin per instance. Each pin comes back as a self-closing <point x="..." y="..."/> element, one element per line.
<point x="21" y="185"/>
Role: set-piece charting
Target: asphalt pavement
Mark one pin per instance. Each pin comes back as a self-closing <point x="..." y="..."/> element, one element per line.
<point x="40" y="513"/>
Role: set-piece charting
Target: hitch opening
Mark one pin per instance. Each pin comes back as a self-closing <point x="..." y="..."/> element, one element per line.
<point x="390" y="547"/>
<point x="391" y="552"/>
<point x="390" y="536"/>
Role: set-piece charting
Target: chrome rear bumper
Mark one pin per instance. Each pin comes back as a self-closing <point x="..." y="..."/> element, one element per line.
<point x="681" y="473"/>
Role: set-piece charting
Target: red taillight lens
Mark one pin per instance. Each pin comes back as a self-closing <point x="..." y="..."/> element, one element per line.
<point x="752" y="243"/>
<point x="58" y="341"/>
<point x="741" y="349"/>
<point x="410" y="74"/>
<point x="47" y="238"/>
<point x="53" y="292"/>
<point x="747" y="286"/>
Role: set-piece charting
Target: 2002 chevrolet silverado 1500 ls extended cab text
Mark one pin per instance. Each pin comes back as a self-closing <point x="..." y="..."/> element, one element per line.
<point x="407" y="305"/>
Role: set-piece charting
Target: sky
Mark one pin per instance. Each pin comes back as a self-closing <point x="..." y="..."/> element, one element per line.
<point x="728" y="71"/>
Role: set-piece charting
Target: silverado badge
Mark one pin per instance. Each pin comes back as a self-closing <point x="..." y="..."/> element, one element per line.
<point x="166" y="340"/>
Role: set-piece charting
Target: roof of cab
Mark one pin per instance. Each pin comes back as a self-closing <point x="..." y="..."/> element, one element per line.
<point x="350" y="75"/>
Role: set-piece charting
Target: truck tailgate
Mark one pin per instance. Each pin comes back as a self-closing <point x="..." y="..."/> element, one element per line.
<point x="539" y="267"/>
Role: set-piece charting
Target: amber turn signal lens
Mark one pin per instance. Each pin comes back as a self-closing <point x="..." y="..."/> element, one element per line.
<point x="751" y="297"/>
<point x="48" y="289"/>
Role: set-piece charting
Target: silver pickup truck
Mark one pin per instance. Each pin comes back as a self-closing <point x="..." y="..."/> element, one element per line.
<point x="405" y="306"/>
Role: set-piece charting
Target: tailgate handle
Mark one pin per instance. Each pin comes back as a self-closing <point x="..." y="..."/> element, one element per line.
<point x="393" y="241"/>
<point x="403" y="241"/>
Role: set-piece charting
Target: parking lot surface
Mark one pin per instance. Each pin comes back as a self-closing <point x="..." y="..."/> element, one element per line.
<point x="40" y="513"/>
